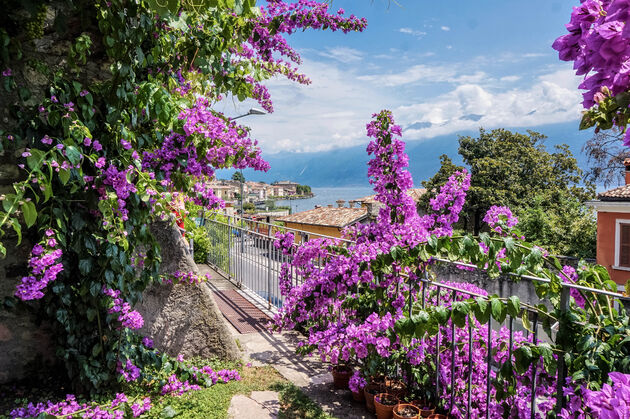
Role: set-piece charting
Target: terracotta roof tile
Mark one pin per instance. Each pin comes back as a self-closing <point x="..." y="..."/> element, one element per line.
<point x="325" y="216"/>
<point x="621" y="193"/>
<point x="415" y="193"/>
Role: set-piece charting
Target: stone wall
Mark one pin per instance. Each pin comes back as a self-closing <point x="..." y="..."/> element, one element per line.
<point x="503" y="286"/>
<point x="25" y="344"/>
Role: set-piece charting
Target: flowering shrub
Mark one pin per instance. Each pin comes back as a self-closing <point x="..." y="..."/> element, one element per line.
<point x="598" y="43"/>
<point x="612" y="401"/>
<point x="370" y="302"/>
<point x="103" y="154"/>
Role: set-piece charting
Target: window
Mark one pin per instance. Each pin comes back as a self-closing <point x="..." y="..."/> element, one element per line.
<point x="622" y="244"/>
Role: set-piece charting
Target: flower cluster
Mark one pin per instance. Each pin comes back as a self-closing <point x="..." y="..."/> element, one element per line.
<point x="569" y="274"/>
<point x="128" y="371"/>
<point x="69" y="407"/>
<point x="44" y="265"/>
<point x="129" y="318"/>
<point x="500" y="219"/>
<point x="184" y="278"/>
<point x="356" y="382"/>
<point x="175" y="386"/>
<point x="612" y="401"/>
<point x="284" y="241"/>
<point x="598" y="42"/>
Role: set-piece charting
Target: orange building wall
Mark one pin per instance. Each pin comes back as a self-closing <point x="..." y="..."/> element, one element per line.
<point x="316" y="231"/>
<point x="606" y="244"/>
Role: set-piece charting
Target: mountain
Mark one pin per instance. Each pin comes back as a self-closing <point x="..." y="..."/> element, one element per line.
<point x="348" y="166"/>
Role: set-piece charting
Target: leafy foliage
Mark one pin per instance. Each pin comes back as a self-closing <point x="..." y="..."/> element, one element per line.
<point x="544" y="189"/>
<point x="119" y="135"/>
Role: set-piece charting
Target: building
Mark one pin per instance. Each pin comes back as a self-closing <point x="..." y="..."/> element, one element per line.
<point x="324" y="221"/>
<point x="290" y="188"/>
<point x="372" y="205"/>
<point x="613" y="229"/>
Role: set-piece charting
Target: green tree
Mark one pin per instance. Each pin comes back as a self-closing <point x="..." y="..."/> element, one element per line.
<point x="544" y="189"/>
<point x="238" y="176"/>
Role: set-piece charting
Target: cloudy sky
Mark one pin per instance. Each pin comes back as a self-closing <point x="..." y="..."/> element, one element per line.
<point x="442" y="67"/>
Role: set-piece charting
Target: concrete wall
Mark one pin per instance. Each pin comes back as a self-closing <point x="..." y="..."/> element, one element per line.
<point x="503" y="286"/>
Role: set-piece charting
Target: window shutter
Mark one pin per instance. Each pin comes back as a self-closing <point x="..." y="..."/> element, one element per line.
<point x="624" y="246"/>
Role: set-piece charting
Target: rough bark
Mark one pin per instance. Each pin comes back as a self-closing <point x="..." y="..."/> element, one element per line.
<point x="183" y="319"/>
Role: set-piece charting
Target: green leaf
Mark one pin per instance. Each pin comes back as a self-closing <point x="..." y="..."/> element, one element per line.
<point x="3" y="250"/>
<point x="73" y="154"/>
<point x="459" y="313"/>
<point x="34" y="161"/>
<point x="523" y="357"/>
<point x="442" y="314"/>
<point x="482" y="310"/>
<point x="64" y="176"/>
<point x="91" y="314"/>
<point x="499" y="310"/>
<point x="85" y="266"/>
<point x="17" y="228"/>
<point x="525" y="319"/>
<point x="546" y="352"/>
<point x="97" y="349"/>
<point x="513" y="306"/>
<point x="30" y="213"/>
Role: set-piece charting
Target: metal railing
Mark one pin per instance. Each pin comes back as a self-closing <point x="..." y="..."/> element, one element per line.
<point x="244" y="252"/>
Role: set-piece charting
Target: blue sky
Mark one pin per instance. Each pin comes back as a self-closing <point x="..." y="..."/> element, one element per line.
<point x="442" y="67"/>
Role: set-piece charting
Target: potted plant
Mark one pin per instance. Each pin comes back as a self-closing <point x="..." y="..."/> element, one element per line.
<point x="356" y="384"/>
<point x="384" y="404"/>
<point x="370" y="391"/>
<point x="425" y="408"/>
<point x="395" y="387"/>
<point x="406" y="411"/>
<point x="341" y="375"/>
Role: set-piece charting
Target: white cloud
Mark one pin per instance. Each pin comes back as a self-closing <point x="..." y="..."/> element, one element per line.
<point x="417" y="73"/>
<point x="330" y="113"/>
<point x="551" y="98"/>
<point x="445" y="28"/>
<point x="412" y="32"/>
<point x="342" y="54"/>
<point x="510" y="79"/>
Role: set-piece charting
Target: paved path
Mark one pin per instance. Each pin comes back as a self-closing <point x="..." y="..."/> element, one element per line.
<point x="278" y="350"/>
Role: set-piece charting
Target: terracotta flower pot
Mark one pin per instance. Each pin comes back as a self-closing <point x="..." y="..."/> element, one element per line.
<point x="406" y="411"/>
<point x="395" y="387"/>
<point x="369" y="392"/>
<point x="359" y="396"/>
<point x="437" y="416"/>
<point x="425" y="410"/>
<point x="341" y="377"/>
<point x="384" y="404"/>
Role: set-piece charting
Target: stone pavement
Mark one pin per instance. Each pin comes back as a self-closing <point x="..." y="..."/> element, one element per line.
<point x="278" y="350"/>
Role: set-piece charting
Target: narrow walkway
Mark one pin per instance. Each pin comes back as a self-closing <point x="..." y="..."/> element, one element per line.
<point x="278" y="350"/>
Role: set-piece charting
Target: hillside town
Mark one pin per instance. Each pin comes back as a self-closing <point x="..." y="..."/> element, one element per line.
<point x="257" y="192"/>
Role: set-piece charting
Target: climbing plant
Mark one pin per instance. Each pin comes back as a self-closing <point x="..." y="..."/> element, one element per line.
<point x="109" y="118"/>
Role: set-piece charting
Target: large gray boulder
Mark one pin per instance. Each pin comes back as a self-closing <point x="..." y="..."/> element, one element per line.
<point x="183" y="319"/>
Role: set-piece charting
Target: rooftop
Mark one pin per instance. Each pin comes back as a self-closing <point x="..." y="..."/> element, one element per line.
<point x="415" y="193"/>
<point x="326" y="216"/>
<point x="621" y="193"/>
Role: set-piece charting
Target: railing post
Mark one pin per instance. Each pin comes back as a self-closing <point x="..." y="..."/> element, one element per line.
<point x="269" y="262"/>
<point x="565" y="297"/>
<point x="229" y="247"/>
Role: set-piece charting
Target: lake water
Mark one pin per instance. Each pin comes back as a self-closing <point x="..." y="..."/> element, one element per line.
<point x="326" y="196"/>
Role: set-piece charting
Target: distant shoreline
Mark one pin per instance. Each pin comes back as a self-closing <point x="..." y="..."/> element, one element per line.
<point x="292" y="197"/>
